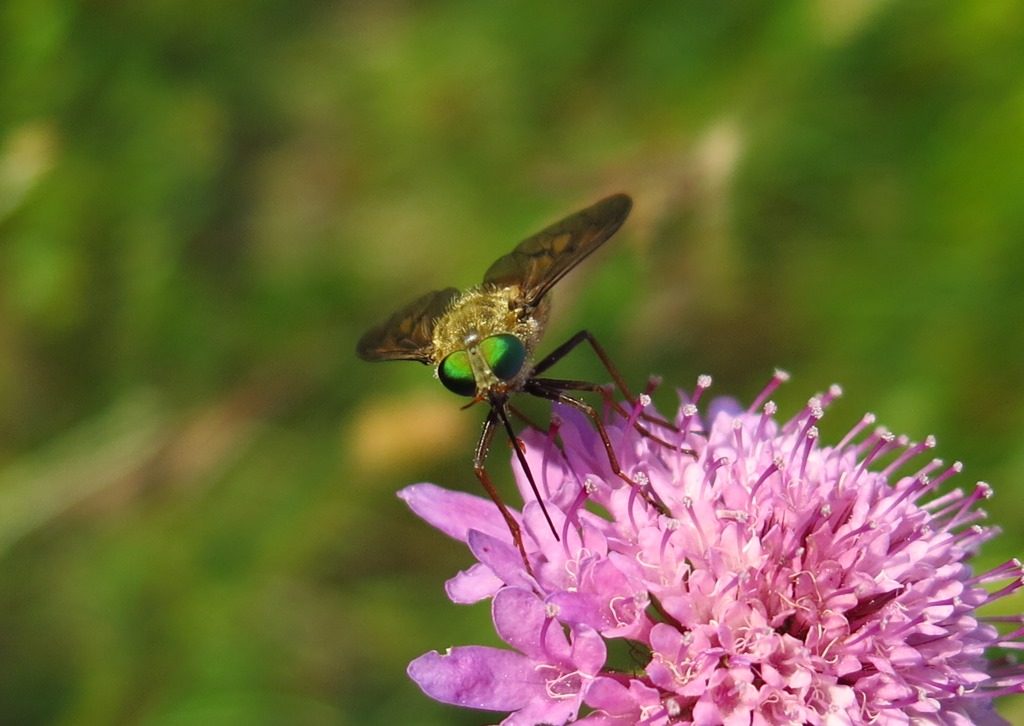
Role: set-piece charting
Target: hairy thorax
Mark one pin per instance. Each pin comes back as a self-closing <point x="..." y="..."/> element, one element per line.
<point x="481" y="312"/>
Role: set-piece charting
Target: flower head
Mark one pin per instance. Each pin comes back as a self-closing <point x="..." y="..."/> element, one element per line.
<point x="759" y="577"/>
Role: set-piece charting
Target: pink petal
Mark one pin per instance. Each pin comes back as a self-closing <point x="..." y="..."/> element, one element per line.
<point x="548" y="471"/>
<point x="476" y="676"/>
<point x="546" y="711"/>
<point x="576" y="608"/>
<point x="623" y="705"/>
<point x="454" y="513"/>
<point x="537" y="527"/>
<point x="521" y="620"/>
<point x="588" y="650"/>
<point x="501" y="557"/>
<point x="607" y="694"/>
<point x="472" y="585"/>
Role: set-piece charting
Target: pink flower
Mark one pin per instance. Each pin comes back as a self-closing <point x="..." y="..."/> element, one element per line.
<point x="544" y="682"/>
<point x="776" y="581"/>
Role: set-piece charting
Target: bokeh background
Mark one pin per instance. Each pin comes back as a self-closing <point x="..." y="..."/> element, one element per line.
<point x="203" y="204"/>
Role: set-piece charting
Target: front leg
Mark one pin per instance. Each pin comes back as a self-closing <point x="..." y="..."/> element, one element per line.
<point x="548" y="389"/>
<point x="586" y="336"/>
<point x="479" y="468"/>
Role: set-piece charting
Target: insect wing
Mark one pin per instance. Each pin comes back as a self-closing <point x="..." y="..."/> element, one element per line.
<point x="408" y="334"/>
<point x="537" y="263"/>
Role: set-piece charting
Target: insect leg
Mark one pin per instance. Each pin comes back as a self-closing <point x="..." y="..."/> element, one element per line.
<point x="500" y="408"/>
<point x="479" y="459"/>
<point x="569" y="385"/>
<point x="545" y="388"/>
<point x="565" y="348"/>
<point x="585" y="335"/>
<point x="529" y="422"/>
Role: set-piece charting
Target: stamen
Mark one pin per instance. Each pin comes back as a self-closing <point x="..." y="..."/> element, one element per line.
<point x="972" y="537"/>
<point x="963" y="514"/>
<point x="737" y="430"/>
<point x="689" y="412"/>
<point x="911" y="451"/>
<point x="1012" y="687"/>
<point x="955" y="468"/>
<point x="834" y="392"/>
<point x="1010" y="568"/>
<point x="810" y="414"/>
<point x="1004" y="591"/>
<point x="926" y="470"/>
<point x="870" y="443"/>
<point x="572" y="513"/>
<point x="911" y="491"/>
<point x="671" y="525"/>
<point x="814" y="414"/>
<point x="703" y="384"/>
<point x="809" y="440"/>
<point x="711" y="471"/>
<point x="866" y="420"/>
<point x="884" y="440"/>
<point x="777" y="380"/>
<point x="776" y="466"/>
<point x="769" y="411"/>
<point x="934" y="505"/>
<point x="701" y="535"/>
<point x="642" y="401"/>
<point x="634" y="492"/>
<point x="871" y="525"/>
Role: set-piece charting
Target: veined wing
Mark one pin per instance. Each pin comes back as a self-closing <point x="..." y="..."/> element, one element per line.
<point x="537" y="263"/>
<point x="408" y="334"/>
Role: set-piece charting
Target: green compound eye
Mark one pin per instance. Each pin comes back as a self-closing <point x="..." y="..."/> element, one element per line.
<point x="504" y="354"/>
<point x="456" y="374"/>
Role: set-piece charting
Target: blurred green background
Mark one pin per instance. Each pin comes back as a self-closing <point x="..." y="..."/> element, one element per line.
<point x="202" y="205"/>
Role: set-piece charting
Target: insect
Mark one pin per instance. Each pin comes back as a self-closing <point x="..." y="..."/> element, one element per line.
<point x="482" y="342"/>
